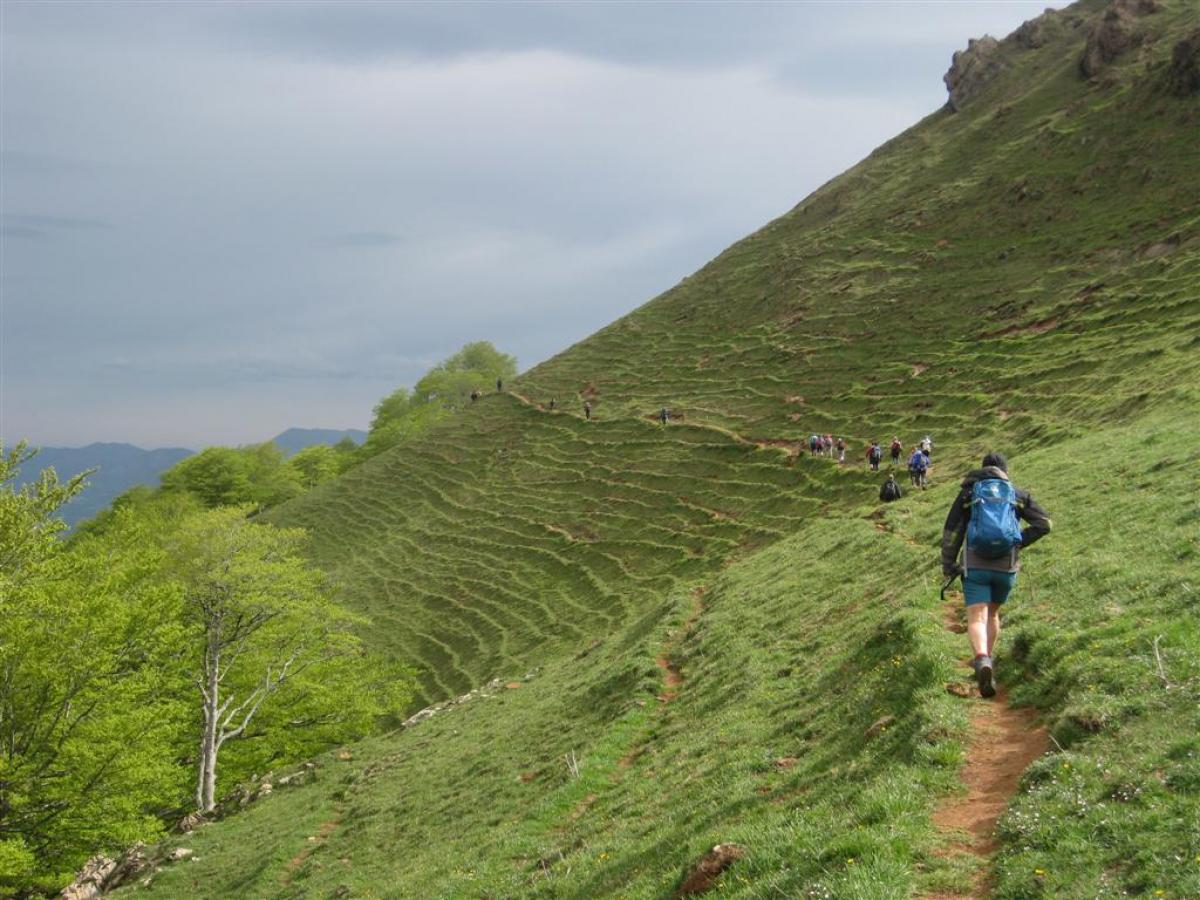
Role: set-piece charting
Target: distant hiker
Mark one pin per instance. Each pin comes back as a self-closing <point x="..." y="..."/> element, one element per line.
<point x="897" y="449"/>
<point x="664" y="415"/>
<point x="553" y="403"/>
<point x="874" y="455"/>
<point x="927" y="445"/>
<point x="499" y="385"/>
<point x="986" y="512"/>
<point x="587" y="409"/>
<point x="827" y="444"/>
<point x="474" y="396"/>
<point x="841" y="448"/>
<point x="917" y="466"/>
<point x="890" y="490"/>
<point x="814" y="443"/>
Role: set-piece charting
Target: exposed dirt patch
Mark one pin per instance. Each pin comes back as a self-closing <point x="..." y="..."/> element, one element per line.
<point x="793" y="448"/>
<point x="314" y="842"/>
<point x="589" y="391"/>
<point x="582" y="807"/>
<point x="1039" y="327"/>
<point x="794" y="399"/>
<point x="705" y="873"/>
<point x="672" y="678"/>
<point x="1004" y="742"/>
<point x="1159" y="248"/>
<point x="920" y="369"/>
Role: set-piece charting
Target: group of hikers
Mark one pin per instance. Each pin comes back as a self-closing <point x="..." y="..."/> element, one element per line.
<point x="981" y="539"/>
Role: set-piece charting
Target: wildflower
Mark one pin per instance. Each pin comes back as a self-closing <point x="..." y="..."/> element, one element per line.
<point x="850" y="861"/>
<point x="1040" y="873"/>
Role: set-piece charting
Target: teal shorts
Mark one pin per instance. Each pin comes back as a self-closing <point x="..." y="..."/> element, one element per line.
<point x="986" y="586"/>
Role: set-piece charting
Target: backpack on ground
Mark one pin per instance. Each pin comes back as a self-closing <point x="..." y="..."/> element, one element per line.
<point x="993" y="530"/>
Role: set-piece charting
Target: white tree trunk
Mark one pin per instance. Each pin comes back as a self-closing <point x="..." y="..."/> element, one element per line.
<point x="206" y="781"/>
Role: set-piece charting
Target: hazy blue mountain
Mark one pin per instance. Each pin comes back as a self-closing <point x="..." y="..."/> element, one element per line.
<point x="295" y="439"/>
<point x="118" y="468"/>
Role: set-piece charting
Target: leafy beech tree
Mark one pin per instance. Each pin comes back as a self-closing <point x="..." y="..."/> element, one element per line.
<point x="476" y="365"/>
<point x="444" y="388"/>
<point x="268" y="645"/>
<point x="90" y="712"/>
<point x="316" y="465"/>
<point x="232" y="476"/>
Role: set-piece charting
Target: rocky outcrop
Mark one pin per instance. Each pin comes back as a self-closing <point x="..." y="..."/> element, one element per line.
<point x="1113" y="34"/>
<point x="101" y="873"/>
<point x="1032" y="34"/>
<point x="1183" y="74"/>
<point x="493" y="687"/>
<point x="972" y="69"/>
<point x="89" y="883"/>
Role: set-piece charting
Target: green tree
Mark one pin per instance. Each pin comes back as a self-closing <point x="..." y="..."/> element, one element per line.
<point x="443" y="389"/>
<point x="316" y="465"/>
<point x="264" y="636"/>
<point x="89" y="720"/>
<point x="477" y="365"/>
<point x="216" y="476"/>
<point x="230" y="476"/>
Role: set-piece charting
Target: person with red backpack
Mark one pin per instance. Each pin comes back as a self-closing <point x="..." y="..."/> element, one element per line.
<point x="987" y="515"/>
<point x="897" y="449"/>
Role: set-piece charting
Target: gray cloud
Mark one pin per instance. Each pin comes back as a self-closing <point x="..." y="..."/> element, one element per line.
<point x="366" y="239"/>
<point x="254" y="216"/>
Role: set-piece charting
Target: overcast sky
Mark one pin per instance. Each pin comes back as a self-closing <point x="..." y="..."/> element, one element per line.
<point x="224" y="219"/>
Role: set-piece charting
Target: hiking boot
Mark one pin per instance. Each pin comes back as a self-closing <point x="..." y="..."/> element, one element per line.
<point x="985" y="676"/>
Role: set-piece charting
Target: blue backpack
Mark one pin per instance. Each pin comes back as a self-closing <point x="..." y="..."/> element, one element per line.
<point x="993" y="530"/>
<point x="916" y="462"/>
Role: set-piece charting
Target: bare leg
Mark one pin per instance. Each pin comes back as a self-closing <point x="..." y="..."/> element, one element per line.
<point x="977" y="627"/>
<point x="993" y="627"/>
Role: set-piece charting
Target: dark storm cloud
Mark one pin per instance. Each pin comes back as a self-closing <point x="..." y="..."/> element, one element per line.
<point x="224" y="219"/>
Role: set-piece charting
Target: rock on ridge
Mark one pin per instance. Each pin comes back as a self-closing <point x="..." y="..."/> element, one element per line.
<point x="971" y="69"/>
<point x="1113" y="34"/>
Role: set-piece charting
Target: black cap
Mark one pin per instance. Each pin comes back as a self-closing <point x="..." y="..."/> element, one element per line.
<point x="995" y="460"/>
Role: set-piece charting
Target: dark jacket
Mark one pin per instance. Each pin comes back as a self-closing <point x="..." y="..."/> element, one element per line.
<point x="955" y="529"/>
<point x="890" y="491"/>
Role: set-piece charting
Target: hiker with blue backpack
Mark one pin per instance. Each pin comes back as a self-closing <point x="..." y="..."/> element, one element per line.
<point x="987" y="514"/>
<point x="918" y="465"/>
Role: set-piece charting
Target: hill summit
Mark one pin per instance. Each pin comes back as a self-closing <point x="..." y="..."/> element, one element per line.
<point x="640" y="642"/>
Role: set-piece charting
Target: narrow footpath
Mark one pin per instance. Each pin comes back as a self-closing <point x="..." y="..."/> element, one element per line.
<point x="1004" y="742"/>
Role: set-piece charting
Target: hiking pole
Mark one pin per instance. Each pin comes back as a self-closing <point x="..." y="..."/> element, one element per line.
<point x="946" y="586"/>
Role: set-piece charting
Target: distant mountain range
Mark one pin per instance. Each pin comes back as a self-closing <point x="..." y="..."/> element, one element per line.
<point x="296" y="439"/>
<point x="120" y="467"/>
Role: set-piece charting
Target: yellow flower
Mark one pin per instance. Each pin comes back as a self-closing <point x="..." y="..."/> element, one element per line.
<point x="1040" y="873"/>
<point x="850" y="861"/>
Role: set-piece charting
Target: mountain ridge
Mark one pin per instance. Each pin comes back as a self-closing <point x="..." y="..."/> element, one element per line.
<point x="706" y="637"/>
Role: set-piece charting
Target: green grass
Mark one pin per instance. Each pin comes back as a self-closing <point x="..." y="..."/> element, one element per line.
<point x="981" y="277"/>
<point x="796" y="651"/>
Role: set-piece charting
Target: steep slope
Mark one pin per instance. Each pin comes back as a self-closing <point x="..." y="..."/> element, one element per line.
<point x="1027" y="266"/>
<point x="711" y="639"/>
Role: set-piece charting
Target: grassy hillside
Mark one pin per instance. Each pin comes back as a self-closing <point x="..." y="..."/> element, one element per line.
<point x="1027" y="267"/>
<point x="787" y="660"/>
<point x="717" y="630"/>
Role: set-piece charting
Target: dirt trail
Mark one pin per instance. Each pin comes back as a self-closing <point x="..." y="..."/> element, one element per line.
<point x="1004" y="743"/>
<point x="314" y="842"/>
